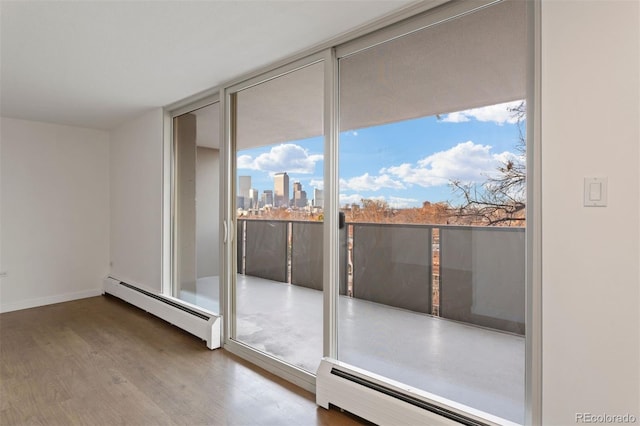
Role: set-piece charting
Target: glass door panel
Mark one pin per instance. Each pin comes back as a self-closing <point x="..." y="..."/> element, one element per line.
<point x="197" y="207"/>
<point x="432" y="185"/>
<point x="279" y="146"/>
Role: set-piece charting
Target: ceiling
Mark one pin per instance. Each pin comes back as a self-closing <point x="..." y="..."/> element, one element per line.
<point x="98" y="64"/>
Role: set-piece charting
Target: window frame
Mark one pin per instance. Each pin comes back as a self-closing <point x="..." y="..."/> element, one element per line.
<point x="405" y="21"/>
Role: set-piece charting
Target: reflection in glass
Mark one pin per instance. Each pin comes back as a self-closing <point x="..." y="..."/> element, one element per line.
<point x="196" y="207"/>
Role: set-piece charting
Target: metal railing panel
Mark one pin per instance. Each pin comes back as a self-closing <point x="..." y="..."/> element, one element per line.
<point x="266" y="249"/>
<point x="392" y="265"/>
<point x="307" y="255"/>
<point x="483" y="276"/>
<point x="240" y="246"/>
<point x="481" y="270"/>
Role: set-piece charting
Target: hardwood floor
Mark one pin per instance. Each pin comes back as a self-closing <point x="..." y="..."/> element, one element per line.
<point x="100" y="361"/>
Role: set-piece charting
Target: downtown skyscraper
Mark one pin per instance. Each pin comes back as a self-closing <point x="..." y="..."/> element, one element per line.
<point x="281" y="190"/>
<point x="244" y="186"/>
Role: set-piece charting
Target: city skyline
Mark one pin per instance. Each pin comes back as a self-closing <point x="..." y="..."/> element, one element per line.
<point x="403" y="163"/>
<point x="256" y="198"/>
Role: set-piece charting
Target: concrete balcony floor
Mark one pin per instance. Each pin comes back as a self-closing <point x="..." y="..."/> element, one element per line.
<point x="478" y="367"/>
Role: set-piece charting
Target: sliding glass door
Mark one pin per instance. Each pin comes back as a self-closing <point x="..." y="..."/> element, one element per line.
<point x="432" y="185"/>
<point x="411" y="142"/>
<point x="278" y="145"/>
<point x="196" y="207"/>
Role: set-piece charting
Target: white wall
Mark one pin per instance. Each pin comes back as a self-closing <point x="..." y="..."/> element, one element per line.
<point x="136" y="200"/>
<point x="54" y="213"/>
<point x="591" y="280"/>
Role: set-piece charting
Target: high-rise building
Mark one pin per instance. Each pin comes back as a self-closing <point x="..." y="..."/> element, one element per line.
<point x="318" y="198"/>
<point x="281" y="189"/>
<point x="299" y="196"/>
<point x="244" y="185"/>
<point x="267" y="197"/>
<point x="253" y="198"/>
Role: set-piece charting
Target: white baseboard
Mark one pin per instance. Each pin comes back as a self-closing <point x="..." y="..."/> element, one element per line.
<point x="49" y="300"/>
<point x="191" y="318"/>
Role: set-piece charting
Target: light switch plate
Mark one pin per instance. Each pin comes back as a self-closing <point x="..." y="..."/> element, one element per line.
<point x="595" y="191"/>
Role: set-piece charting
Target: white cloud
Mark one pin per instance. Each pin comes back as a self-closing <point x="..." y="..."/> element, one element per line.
<point x="503" y="157"/>
<point x="456" y="117"/>
<point x="499" y="114"/>
<point x="467" y="162"/>
<point x="316" y="183"/>
<point x="367" y="182"/>
<point x="394" y="202"/>
<point x="245" y="162"/>
<point x="357" y="199"/>
<point x="402" y="203"/>
<point x="350" y="199"/>
<point x="290" y="158"/>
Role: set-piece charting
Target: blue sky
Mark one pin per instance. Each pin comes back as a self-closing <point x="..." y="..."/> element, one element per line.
<point x="403" y="163"/>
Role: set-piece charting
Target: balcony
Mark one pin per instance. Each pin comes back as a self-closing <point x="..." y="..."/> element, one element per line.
<point x="439" y="308"/>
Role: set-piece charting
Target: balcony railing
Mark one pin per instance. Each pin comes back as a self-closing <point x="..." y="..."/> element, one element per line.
<point x="469" y="274"/>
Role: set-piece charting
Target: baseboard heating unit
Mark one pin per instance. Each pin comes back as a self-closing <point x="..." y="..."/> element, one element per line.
<point x="199" y="323"/>
<point x="384" y="402"/>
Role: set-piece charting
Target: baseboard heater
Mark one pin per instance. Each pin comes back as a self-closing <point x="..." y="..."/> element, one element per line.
<point x="203" y="325"/>
<point x="386" y="403"/>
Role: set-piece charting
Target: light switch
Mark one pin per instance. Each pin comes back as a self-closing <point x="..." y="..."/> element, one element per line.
<point x="595" y="192"/>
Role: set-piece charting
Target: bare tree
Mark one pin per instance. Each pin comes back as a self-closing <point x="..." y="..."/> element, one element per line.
<point x="372" y="210"/>
<point x="500" y="199"/>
